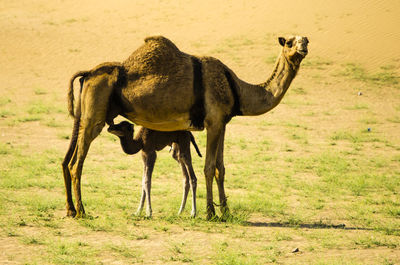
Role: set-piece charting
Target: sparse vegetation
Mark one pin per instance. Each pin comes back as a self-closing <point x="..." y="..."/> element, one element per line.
<point x="385" y="77"/>
<point x="307" y="183"/>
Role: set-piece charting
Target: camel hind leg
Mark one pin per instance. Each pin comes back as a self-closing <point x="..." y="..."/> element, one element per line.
<point x="94" y="104"/>
<point x="67" y="175"/>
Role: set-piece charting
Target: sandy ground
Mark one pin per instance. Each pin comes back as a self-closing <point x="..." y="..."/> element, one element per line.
<point x="42" y="43"/>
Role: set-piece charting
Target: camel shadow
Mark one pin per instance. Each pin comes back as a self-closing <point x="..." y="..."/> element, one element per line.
<point x="318" y="225"/>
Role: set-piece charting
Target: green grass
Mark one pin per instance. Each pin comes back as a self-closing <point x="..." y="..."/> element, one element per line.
<point x="361" y="136"/>
<point x="6" y="113"/>
<point x="40" y="91"/>
<point x="358" y="106"/>
<point x="6" y="106"/>
<point x="386" y="76"/>
<point x="317" y="63"/>
<point x="329" y="199"/>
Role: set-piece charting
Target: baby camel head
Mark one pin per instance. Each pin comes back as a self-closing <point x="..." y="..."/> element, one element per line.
<point x="122" y="129"/>
<point x="294" y="47"/>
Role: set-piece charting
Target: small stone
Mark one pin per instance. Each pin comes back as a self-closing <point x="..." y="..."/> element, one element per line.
<point x="295" y="250"/>
<point x="360" y="93"/>
<point x="369" y="129"/>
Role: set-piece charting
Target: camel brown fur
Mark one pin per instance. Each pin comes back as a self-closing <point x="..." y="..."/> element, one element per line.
<point x="164" y="89"/>
<point x="149" y="142"/>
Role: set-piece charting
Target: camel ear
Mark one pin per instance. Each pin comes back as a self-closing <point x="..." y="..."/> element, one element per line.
<point x="282" y="41"/>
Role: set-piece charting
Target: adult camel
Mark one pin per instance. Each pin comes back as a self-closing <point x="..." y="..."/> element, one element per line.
<point x="165" y="89"/>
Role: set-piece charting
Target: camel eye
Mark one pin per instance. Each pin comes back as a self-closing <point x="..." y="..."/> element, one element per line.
<point x="289" y="43"/>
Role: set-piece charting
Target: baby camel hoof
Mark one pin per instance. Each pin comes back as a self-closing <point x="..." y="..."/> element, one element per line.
<point x="137" y="213"/>
<point x="149" y="216"/>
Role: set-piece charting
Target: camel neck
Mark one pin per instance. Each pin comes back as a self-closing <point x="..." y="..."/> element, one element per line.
<point x="130" y="145"/>
<point x="261" y="98"/>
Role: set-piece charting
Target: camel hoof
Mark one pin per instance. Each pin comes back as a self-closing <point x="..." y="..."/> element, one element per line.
<point x="80" y="214"/>
<point x="225" y="217"/>
<point x="225" y="212"/>
<point x="211" y="216"/>
<point x="71" y="213"/>
<point x="210" y="212"/>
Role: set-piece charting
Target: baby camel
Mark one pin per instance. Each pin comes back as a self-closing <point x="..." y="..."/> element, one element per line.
<point x="149" y="142"/>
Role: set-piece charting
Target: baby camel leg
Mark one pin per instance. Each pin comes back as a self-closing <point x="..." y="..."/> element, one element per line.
<point x="184" y="158"/>
<point x="186" y="187"/>
<point x="176" y="155"/>
<point x="193" y="185"/>
<point x="149" y="160"/>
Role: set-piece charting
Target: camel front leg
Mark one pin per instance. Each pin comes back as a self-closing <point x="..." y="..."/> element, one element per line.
<point x="213" y="136"/>
<point x="220" y="178"/>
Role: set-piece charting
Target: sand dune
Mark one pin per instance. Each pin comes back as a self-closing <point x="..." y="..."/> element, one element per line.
<point x="41" y="36"/>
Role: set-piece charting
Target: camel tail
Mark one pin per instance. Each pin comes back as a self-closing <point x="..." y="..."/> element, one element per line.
<point x="83" y="74"/>
<point x="194" y="144"/>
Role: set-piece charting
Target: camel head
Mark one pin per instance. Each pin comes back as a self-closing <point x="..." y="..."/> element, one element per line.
<point x="294" y="47"/>
<point x="122" y="129"/>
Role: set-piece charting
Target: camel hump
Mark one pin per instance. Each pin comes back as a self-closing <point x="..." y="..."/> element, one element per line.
<point x="159" y="39"/>
<point x="158" y="55"/>
<point x="157" y="44"/>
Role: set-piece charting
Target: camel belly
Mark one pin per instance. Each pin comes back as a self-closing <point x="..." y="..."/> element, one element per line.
<point x="175" y="124"/>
